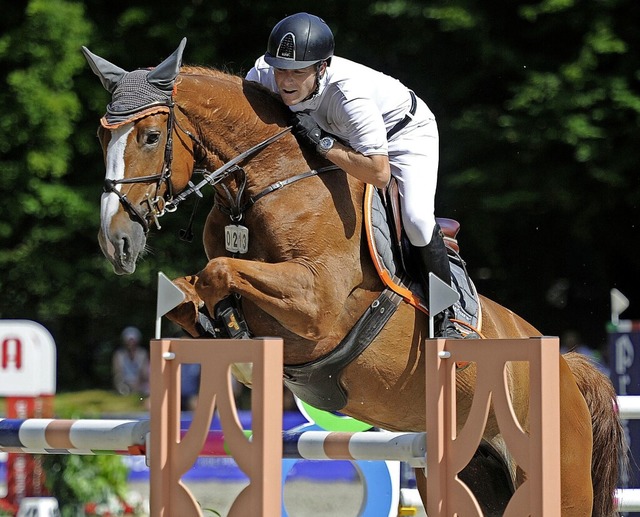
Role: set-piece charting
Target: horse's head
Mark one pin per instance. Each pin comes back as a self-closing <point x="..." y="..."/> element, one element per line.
<point x="143" y="166"/>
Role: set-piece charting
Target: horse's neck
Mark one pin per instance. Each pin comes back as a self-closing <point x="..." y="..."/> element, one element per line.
<point x="228" y="122"/>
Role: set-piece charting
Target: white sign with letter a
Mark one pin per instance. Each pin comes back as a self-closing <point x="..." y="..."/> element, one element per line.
<point x="27" y="359"/>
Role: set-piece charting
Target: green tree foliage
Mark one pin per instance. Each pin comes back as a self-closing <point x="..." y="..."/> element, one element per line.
<point x="78" y="481"/>
<point x="39" y="115"/>
<point x="43" y="217"/>
<point x="559" y="137"/>
<point x="537" y="104"/>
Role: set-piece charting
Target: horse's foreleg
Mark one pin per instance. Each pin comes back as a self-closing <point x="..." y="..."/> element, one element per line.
<point x="291" y="292"/>
<point x="186" y="314"/>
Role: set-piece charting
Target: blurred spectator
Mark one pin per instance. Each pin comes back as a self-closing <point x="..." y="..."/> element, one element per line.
<point x="130" y="365"/>
<point x="189" y="386"/>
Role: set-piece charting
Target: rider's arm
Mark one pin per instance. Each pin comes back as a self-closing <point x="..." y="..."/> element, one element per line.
<point x="362" y="153"/>
<point x="372" y="169"/>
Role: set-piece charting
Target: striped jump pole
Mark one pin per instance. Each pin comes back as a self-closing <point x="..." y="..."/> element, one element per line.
<point x="129" y="437"/>
<point x="49" y="436"/>
<point x="372" y="446"/>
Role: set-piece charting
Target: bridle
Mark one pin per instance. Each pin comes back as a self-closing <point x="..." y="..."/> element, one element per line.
<point x="160" y="205"/>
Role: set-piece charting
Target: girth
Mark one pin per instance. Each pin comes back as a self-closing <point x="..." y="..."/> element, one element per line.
<point x="318" y="382"/>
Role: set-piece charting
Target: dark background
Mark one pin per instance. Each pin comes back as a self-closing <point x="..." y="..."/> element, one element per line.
<point x="537" y="103"/>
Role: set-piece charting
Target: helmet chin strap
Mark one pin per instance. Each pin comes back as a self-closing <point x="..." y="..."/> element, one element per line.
<point x="318" y="77"/>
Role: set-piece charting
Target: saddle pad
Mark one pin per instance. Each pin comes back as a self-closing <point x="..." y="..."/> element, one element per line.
<point x="467" y="308"/>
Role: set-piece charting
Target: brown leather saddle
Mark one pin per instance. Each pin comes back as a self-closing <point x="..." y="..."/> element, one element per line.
<point x="391" y="253"/>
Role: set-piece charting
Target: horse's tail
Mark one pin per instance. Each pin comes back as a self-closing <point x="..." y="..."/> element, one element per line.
<point x="610" y="449"/>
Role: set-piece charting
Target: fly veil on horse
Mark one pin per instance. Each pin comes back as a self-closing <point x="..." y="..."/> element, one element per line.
<point x="306" y="275"/>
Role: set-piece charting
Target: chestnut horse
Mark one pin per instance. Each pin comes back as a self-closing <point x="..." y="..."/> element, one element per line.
<point x="306" y="274"/>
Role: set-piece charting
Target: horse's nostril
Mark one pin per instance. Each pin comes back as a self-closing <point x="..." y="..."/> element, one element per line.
<point x="122" y="243"/>
<point x="126" y="247"/>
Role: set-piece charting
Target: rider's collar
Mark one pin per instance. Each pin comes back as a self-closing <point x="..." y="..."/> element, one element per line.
<point x="312" y="103"/>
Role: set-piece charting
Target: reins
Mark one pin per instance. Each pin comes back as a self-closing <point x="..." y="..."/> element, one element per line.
<point x="159" y="205"/>
<point x="215" y="177"/>
<point x="236" y="212"/>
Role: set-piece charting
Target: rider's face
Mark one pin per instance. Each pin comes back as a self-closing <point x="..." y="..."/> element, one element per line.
<point x="295" y="86"/>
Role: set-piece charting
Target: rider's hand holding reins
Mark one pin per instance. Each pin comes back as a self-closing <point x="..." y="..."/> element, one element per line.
<point x="306" y="129"/>
<point x="372" y="169"/>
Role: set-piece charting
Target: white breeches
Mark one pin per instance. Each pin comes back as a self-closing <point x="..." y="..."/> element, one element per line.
<point x="413" y="156"/>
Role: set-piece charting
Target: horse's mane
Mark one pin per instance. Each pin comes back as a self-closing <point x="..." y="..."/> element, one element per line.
<point x="224" y="75"/>
<point x="211" y="72"/>
<point x="266" y="96"/>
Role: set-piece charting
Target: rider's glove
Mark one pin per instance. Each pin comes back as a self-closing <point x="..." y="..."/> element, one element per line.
<point x="306" y="129"/>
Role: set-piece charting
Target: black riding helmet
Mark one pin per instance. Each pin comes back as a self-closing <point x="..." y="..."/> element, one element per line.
<point x="299" y="41"/>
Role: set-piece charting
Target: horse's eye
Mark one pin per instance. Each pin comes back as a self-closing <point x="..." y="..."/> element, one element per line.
<point x="152" y="138"/>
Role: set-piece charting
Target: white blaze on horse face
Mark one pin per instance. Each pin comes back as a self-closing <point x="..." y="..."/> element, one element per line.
<point x="109" y="202"/>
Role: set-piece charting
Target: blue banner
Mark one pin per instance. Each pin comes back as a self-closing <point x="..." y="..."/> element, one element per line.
<point x="624" y="359"/>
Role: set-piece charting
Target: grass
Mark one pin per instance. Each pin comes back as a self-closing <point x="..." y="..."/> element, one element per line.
<point x="92" y="404"/>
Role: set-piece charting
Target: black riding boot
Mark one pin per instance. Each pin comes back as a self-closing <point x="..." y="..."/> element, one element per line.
<point x="433" y="259"/>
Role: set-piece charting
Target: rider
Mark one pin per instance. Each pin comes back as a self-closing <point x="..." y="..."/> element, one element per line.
<point x="365" y="122"/>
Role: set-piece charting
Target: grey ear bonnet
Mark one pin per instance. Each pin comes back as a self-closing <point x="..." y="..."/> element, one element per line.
<point x="137" y="91"/>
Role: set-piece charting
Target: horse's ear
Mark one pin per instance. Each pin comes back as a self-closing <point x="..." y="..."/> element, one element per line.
<point x="164" y="75"/>
<point x="110" y="75"/>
